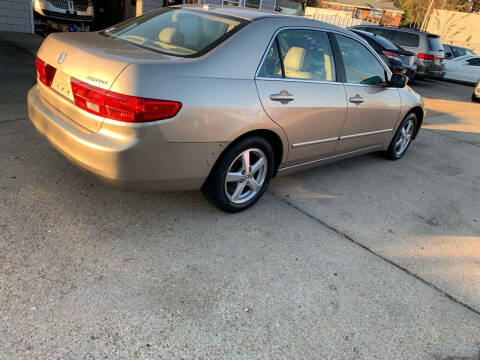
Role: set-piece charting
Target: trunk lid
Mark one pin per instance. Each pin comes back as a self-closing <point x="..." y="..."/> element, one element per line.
<point x="91" y="58"/>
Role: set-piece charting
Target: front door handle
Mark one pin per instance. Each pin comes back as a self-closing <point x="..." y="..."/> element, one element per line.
<point x="357" y="99"/>
<point x="284" y="96"/>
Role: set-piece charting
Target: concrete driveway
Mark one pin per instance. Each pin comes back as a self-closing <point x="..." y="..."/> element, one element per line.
<point x="363" y="259"/>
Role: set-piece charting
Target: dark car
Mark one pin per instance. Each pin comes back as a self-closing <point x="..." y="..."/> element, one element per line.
<point x="452" y="51"/>
<point x="427" y="47"/>
<point x="397" y="58"/>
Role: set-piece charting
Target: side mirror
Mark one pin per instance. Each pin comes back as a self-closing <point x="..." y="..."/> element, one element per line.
<point x="398" y="80"/>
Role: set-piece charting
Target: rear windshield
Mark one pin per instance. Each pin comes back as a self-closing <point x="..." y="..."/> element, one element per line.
<point x="177" y="31"/>
<point x="387" y="44"/>
<point x="434" y="43"/>
<point x="407" y="39"/>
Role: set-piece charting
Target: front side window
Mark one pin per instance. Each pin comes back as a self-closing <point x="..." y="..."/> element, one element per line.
<point x="361" y="66"/>
<point x="177" y="31"/>
<point x="300" y="54"/>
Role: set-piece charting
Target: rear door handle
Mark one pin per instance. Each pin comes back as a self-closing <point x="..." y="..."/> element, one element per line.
<point x="357" y="99"/>
<point x="283" y="96"/>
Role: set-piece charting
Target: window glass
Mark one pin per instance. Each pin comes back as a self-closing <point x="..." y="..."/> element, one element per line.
<point x="176" y="31"/>
<point x="434" y="43"/>
<point x="378" y="42"/>
<point x="404" y="38"/>
<point x="306" y="54"/>
<point x="361" y="66"/>
<point x="271" y="67"/>
<point x="474" y="62"/>
<point x="386" y="33"/>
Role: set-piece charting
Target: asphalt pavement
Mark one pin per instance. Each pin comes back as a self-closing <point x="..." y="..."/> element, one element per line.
<point x="362" y="259"/>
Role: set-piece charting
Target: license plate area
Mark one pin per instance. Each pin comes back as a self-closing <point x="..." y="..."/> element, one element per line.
<point x="61" y="84"/>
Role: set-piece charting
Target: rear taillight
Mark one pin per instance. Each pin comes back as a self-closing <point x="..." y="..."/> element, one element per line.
<point x="121" y="107"/>
<point x="426" y="57"/>
<point x="391" y="55"/>
<point x="45" y="72"/>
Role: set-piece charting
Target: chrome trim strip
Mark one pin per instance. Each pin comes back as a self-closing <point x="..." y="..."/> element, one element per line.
<point x="365" y="134"/>
<point x="314" y="142"/>
<point x="328" y="158"/>
<point x="300" y="80"/>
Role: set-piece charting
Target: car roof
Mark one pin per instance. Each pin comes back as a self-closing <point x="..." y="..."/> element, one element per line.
<point x="240" y="12"/>
<point x="413" y="31"/>
<point x="255" y="14"/>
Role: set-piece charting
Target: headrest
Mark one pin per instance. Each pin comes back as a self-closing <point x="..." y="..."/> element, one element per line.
<point x="297" y="59"/>
<point x="171" y="36"/>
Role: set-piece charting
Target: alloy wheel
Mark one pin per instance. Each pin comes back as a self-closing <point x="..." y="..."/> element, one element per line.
<point x="246" y="176"/>
<point x="405" y="137"/>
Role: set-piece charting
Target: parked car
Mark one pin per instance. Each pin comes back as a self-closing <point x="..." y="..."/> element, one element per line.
<point x="427" y="47"/>
<point x="175" y="104"/>
<point x="465" y="69"/>
<point x="476" y="93"/>
<point x="452" y="51"/>
<point x="398" y="59"/>
<point x="71" y="10"/>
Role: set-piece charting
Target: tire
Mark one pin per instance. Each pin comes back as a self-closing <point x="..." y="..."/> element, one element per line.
<point x="247" y="185"/>
<point x="405" y="131"/>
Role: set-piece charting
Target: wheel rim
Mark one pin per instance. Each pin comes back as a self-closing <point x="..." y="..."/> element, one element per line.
<point x="405" y="137"/>
<point x="245" y="176"/>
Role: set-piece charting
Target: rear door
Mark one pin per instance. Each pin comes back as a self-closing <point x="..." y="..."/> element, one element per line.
<point x="373" y="108"/>
<point x="472" y="69"/>
<point x="298" y="89"/>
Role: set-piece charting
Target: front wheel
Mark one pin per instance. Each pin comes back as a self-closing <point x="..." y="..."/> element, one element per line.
<point x="402" y="138"/>
<point x="241" y="175"/>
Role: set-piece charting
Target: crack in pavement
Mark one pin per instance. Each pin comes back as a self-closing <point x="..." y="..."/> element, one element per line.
<point x="371" y="251"/>
<point x="13" y="120"/>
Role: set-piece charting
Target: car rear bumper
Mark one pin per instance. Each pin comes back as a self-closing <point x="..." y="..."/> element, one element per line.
<point x="131" y="157"/>
<point x="428" y="70"/>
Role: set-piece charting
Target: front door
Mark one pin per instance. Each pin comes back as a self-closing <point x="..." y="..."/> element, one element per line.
<point x="373" y="108"/>
<point x="298" y="90"/>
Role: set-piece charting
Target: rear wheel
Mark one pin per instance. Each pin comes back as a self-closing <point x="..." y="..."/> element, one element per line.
<point x="402" y="138"/>
<point x="241" y="175"/>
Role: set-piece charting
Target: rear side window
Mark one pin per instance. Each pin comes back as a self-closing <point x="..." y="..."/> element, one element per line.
<point x="434" y="43"/>
<point x="300" y="54"/>
<point x="177" y="31"/>
<point x="404" y="38"/>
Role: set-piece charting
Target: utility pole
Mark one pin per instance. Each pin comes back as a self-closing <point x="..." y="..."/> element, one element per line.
<point x="424" y="23"/>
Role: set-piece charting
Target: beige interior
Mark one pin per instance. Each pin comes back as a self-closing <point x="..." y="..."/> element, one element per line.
<point x="296" y="60"/>
<point x="171" y="36"/>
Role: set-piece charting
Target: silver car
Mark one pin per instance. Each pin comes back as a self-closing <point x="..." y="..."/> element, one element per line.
<point x="217" y="98"/>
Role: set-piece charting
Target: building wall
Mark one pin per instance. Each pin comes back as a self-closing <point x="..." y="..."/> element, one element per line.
<point x="16" y="15"/>
<point x="456" y="28"/>
<point x="392" y="18"/>
<point x="144" y="6"/>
